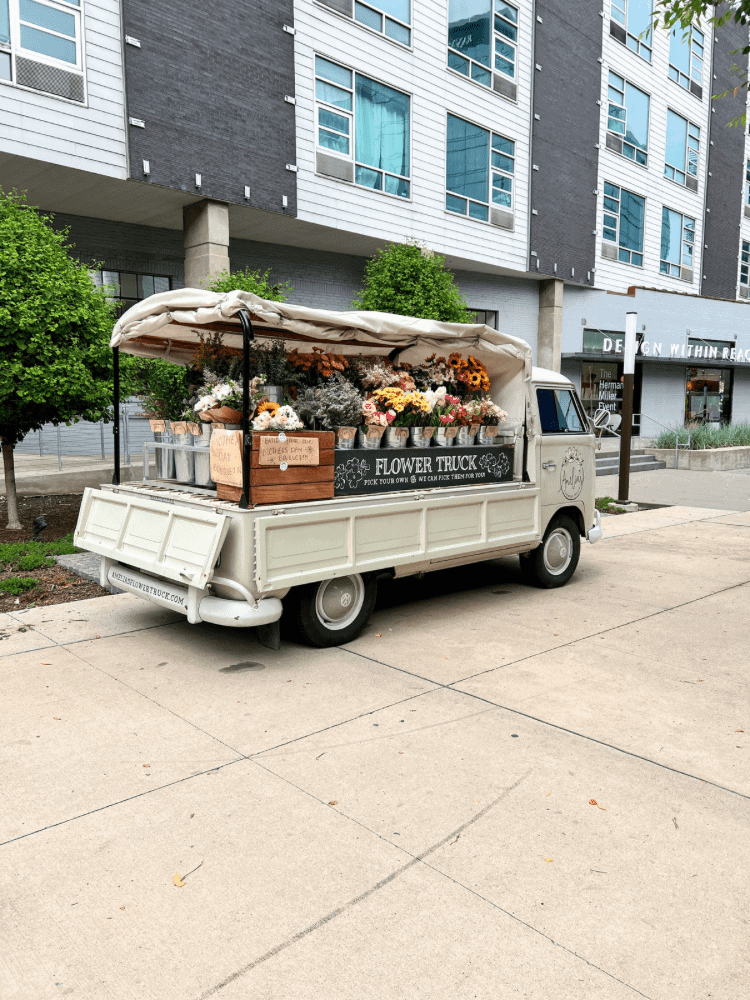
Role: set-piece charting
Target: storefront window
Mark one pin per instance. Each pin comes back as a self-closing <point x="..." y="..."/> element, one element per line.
<point x="601" y="387"/>
<point x="708" y="397"/>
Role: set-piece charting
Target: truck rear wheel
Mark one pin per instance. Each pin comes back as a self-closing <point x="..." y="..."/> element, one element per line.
<point x="332" y="612"/>
<point x="552" y="563"/>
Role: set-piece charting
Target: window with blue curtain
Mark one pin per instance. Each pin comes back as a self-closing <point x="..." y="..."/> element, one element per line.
<point x="482" y="35"/>
<point x="467" y="169"/>
<point x="381" y="129"/>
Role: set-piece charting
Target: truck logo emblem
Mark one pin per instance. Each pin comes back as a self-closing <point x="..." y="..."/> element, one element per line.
<point x="571" y="474"/>
<point x="346" y="600"/>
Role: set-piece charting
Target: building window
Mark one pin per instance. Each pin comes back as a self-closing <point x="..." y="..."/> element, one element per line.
<point x="686" y="58"/>
<point x="475" y="159"/>
<point x="747" y="182"/>
<point x="125" y="288"/>
<point x="41" y="46"/>
<point x="634" y="25"/>
<point x="677" y="241"/>
<point x="388" y="17"/>
<point x="744" y="262"/>
<point x="485" y="316"/>
<point x="708" y="396"/>
<point x="628" y="118"/>
<point x="558" y="412"/>
<point x="624" y="214"/>
<point x="352" y="106"/>
<point x="482" y="36"/>
<point x="683" y="146"/>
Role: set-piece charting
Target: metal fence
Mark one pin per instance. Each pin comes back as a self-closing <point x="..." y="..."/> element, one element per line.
<point x="90" y="440"/>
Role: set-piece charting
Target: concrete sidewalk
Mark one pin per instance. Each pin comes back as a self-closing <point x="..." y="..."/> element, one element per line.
<point x="35" y="475"/>
<point x="725" y="490"/>
<point x="407" y="817"/>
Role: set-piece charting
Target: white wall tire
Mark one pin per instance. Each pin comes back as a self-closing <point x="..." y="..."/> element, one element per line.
<point x="331" y="612"/>
<point x="552" y="563"/>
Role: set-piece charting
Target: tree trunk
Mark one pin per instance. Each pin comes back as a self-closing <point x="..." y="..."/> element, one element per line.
<point x="14" y="522"/>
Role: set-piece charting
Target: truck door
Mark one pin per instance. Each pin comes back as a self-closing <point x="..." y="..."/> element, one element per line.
<point x="567" y="473"/>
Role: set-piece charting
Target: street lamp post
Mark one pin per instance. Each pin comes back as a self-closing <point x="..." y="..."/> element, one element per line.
<point x="628" y="372"/>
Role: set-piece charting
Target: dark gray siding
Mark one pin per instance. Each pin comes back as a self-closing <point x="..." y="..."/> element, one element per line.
<point x="566" y="89"/>
<point x="726" y="164"/>
<point x="123" y="246"/>
<point x="209" y="83"/>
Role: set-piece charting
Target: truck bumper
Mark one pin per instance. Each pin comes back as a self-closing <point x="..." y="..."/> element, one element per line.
<point x="595" y="533"/>
<point x="195" y="604"/>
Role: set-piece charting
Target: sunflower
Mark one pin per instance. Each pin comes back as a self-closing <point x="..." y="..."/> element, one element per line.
<point x="267" y="404"/>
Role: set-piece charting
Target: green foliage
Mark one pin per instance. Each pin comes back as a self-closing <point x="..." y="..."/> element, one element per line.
<point x="163" y="387"/>
<point x="609" y="505"/>
<point x="251" y="281"/>
<point x="707" y="436"/>
<point x="16" y="585"/>
<point x="409" y="280"/>
<point x="32" y="555"/>
<point x="55" y="361"/>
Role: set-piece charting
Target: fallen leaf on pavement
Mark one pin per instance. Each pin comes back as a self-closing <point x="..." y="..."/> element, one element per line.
<point x="191" y="815"/>
<point x="122" y="907"/>
<point x="46" y="664"/>
<point x="147" y="765"/>
<point x="739" y="730"/>
<point x="333" y="802"/>
<point x="549" y="859"/>
<point x="592" y="802"/>
<point x="57" y="718"/>
<point x="378" y="635"/>
<point x="177" y="880"/>
<point x="549" y="793"/>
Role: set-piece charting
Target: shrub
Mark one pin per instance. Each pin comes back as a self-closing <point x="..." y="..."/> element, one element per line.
<point x="17" y="585"/>
<point x="31" y="555"/>
<point x="707" y="436"/>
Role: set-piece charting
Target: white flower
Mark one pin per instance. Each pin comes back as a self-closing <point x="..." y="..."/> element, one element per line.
<point x="262" y="422"/>
<point x="286" y="419"/>
<point x="205" y="403"/>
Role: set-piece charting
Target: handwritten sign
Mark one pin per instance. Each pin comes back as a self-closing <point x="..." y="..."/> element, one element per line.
<point x="347" y="433"/>
<point x="490" y="431"/>
<point x="293" y="451"/>
<point x="157" y="426"/>
<point x="194" y="429"/>
<point x="226" y="457"/>
<point x="450" y="432"/>
<point x="373" y="431"/>
<point x="179" y="427"/>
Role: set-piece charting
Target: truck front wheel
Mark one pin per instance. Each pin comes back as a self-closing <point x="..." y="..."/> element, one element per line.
<point x="552" y="563"/>
<point x="332" y="612"/>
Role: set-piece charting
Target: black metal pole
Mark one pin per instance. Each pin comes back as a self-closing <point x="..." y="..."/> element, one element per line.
<point x="116" y="398"/>
<point x="248" y="336"/>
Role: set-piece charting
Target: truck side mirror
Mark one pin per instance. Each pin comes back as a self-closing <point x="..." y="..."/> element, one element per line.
<point x="601" y="419"/>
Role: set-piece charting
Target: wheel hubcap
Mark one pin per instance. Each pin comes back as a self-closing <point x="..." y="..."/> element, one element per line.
<point x="339" y="601"/>
<point x="558" y="551"/>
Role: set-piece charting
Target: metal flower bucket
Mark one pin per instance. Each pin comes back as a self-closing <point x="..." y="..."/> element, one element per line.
<point x="487" y="435"/>
<point x="370" y="436"/>
<point x="466" y="435"/>
<point x="421" y="436"/>
<point x="345" y="437"/>
<point x="164" y="456"/>
<point x="396" y="437"/>
<point x="445" y="436"/>
<point x="202" y="458"/>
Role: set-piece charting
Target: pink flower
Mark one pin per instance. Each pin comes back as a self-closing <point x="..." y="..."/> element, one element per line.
<point x="390" y="416"/>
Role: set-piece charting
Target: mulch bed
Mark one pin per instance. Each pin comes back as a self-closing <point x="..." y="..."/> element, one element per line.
<point x="56" y="584"/>
<point x="60" y="511"/>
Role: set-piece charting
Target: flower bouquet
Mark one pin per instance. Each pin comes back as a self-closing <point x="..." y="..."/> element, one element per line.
<point x="373" y="426"/>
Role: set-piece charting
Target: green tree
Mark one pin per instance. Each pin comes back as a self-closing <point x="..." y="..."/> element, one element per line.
<point x="163" y="387"/>
<point x="55" y="361"/>
<point x="246" y="280"/>
<point x="409" y="280"/>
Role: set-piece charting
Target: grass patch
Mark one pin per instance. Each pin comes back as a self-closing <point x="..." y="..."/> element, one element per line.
<point x="707" y="436"/>
<point x="609" y="505"/>
<point x="18" y="585"/>
<point x="33" y="555"/>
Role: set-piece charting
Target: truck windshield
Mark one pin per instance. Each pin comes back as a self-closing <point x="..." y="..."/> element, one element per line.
<point x="558" y="412"/>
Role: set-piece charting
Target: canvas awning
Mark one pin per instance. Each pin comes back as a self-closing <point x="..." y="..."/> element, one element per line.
<point x="166" y="325"/>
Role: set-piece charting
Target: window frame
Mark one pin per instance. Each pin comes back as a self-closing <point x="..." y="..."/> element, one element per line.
<point x="638" y="44"/>
<point x="97" y="276"/>
<point x="747" y="182"/>
<point x="744" y="262"/>
<point x="350" y="157"/>
<point x="14" y="49"/>
<point x="674" y="73"/>
<point x="623" y="106"/>
<point x="491" y="172"/>
<point x="683" y="242"/>
<point x="685" y="169"/>
<point x="371" y="5"/>
<point x="486" y="313"/>
<point x="610" y="212"/>
<point x="495" y="37"/>
<point x="577" y="406"/>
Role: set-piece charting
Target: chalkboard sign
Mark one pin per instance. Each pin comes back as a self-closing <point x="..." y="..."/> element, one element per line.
<point x="387" y="470"/>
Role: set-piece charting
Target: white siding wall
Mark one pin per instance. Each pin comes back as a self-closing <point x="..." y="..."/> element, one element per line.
<point x="90" y="137"/>
<point x="650" y="182"/>
<point x="434" y="91"/>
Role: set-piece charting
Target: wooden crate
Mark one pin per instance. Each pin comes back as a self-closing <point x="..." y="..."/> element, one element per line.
<point x="269" y="484"/>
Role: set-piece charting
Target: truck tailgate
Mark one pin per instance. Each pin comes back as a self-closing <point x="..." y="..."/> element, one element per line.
<point x="174" y="542"/>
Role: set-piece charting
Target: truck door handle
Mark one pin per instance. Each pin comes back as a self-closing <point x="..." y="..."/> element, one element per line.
<point x="549" y="465"/>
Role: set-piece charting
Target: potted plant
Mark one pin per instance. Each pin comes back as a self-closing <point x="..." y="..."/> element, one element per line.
<point x="491" y="415"/>
<point x="373" y="427"/>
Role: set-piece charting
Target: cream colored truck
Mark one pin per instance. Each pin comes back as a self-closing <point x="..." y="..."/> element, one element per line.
<point x="320" y="562"/>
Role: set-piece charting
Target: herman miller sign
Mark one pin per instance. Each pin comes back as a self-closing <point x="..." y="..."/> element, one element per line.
<point x="609" y="342"/>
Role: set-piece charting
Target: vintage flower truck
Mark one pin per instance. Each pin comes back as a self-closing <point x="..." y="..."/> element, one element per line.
<point x="256" y="522"/>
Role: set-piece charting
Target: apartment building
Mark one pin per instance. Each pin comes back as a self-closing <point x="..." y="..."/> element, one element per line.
<point x="568" y="163"/>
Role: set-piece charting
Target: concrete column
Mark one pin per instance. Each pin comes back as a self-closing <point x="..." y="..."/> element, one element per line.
<point x="205" y="228"/>
<point x="549" y="336"/>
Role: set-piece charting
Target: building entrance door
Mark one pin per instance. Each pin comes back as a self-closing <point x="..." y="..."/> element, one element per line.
<point x="708" y="396"/>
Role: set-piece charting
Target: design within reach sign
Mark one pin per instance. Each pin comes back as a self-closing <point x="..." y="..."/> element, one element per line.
<point x="610" y="342"/>
<point x="425" y="468"/>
